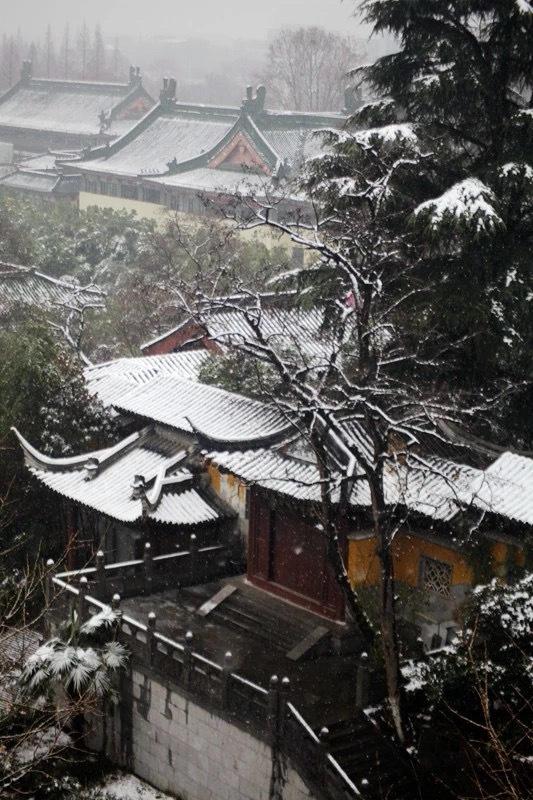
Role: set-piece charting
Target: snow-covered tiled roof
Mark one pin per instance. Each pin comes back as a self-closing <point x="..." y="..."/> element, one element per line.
<point x="506" y="488"/>
<point x="271" y="470"/>
<point x="27" y="285"/>
<point x="30" y="180"/>
<point x="41" y="182"/>
<point x="285" y="329"/>
<point x="192" y="135"/>
<point x="187" y="406"/>
<point x="159" y="142"/>
<point x="205" y="179"/>
<point x="61" y="106"/>
<point x="104" y="480"/>
<point x="143" y="369"/>
<point x="295" y="144"/>
<point x="434" y="488"/>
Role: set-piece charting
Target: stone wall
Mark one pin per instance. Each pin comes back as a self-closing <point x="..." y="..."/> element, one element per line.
<point x="182" y="748"/>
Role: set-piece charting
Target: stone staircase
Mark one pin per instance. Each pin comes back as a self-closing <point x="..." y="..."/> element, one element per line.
<point x="371" y="762"/>
<point x="241" y="613"/>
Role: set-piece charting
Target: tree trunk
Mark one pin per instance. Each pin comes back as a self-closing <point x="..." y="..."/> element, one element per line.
<point x="337" y="561"/>
<point x="389" y="635"/>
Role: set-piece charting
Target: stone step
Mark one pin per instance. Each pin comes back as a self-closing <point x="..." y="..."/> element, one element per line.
<point x="234" y="612"/>
<point x="365" y="755"/>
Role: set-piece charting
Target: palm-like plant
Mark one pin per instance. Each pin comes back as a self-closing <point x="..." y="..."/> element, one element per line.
<point x="81" y="660"/>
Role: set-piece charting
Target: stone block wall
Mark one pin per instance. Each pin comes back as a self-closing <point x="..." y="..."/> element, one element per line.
<point x="182" y="748"/>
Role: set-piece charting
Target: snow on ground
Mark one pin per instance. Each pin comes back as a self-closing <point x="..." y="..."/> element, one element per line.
<point x="41" y="745"/>
<point x="120" y="786"/>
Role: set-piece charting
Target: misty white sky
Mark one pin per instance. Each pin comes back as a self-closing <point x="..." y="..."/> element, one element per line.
<point x="180" y="18"/>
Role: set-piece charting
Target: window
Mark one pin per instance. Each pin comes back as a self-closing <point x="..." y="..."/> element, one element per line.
<point x="91" y="186"/>
<point x="436" y="576"/>
<point x="128" y="191"/>
<point x="175" y="202"/>
<point x="152" y="196"/>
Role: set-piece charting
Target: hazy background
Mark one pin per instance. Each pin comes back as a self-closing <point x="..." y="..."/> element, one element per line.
<point x="181" y="18"/>
<point x="212" y="47"/>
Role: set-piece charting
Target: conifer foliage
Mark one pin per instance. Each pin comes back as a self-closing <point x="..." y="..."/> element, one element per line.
<point x="461" y="81"/>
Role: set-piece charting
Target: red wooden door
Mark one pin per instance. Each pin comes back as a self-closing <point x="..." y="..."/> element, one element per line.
<point x="298" y="560"/>
<point x="288" y="556"/>
<point x="259" y="551"/>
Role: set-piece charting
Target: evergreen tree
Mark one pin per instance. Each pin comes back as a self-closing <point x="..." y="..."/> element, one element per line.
<point x="462" y="82"/>
<point x="97" y="60"/>
<point x="65" y="56"/>
<point x="84" y="45"/>
<point x="44" y="395"/>
<point x="49" y="54"/>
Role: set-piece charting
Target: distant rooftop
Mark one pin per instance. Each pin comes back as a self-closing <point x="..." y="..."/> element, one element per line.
<point x="82" y="108"/>
<point x="36" y="181"/>
<point x="190" y="138"/>
<point x="28" y="286"/>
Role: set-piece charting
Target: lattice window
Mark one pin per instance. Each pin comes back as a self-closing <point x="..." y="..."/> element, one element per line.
<point x="436" y="576"/>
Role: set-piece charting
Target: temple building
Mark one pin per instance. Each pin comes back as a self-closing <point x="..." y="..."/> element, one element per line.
<point x="240" y="473"/>
<point x="181" y="156"/>
<point x="227" y="324"/>
<point x="40" y="114"/>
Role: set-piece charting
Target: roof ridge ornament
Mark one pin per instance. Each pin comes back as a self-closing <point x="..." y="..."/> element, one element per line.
<point x="91" y="467"/>
<point x="254" y="104"/>
<point x="167" y="95"/>
<point x="26" y="71"/>
<point x="135" y="76"/>
<point x="138" y="488"/>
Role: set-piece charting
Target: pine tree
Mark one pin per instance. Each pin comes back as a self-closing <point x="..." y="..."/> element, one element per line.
<point x="49" y="54"/>
<point x="83" y="50"/>
<point x="117" y="58"/>
<point x="65" y="53"/>
<point x="97" y="61"/>
<point x="462" y="81"/>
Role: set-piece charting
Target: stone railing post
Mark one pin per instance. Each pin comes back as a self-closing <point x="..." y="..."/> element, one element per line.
<point x="49" y="583"/>
<point x="225" y="679"/>
<point x="115" y="605"/>
<point x="49" y="596"/>
<point x="362" y="686"/>
<point x="323" y="737"/>
<point x="187" y="659"/>
<point x="100" y="575"/>
<point x="148" y="569"/>
<point x="283" y="700"/>
<point x="193" y="558"/>
<point x="273" y="709"/>
<point x="150" y="636"/>
<point x="82" y="593"/>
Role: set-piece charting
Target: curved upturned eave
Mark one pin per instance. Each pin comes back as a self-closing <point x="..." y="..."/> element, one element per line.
<point x="34" y="458"/>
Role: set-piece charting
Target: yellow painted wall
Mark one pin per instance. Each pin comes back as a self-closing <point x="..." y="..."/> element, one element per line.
<point x="143" y="209"/>
<point x="161" y="213"/>
<point x="363" y="564"/>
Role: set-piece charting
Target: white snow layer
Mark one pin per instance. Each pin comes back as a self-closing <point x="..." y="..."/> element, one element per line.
<point x="470" y="201"/>
<point x="387" y="134"/>
<point x="517" y="169"/>
<point x="128" y="787"/>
